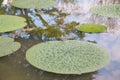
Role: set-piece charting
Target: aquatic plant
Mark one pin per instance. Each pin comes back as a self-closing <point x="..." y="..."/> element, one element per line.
<point x="68" y="57"/>
<point x="93" y="28"/>
<point x="52" y="32"/>
<point x="37" y="4"/>
<point x="10" y="23"/>
<point x="8" y="46"/>
<point x="107" y="10"/>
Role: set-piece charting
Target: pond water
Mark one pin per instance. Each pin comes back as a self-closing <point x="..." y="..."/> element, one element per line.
<point x="59" y="26"/>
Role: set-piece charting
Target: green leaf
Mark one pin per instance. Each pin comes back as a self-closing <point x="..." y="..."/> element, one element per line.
<point x="107" y="10"/>
<point x="8" y="46"/>
<point x="93" y="28"/>
<point x="68" y="57"/>
<point x="37" y="4"/>
<point x="10" y="23"/>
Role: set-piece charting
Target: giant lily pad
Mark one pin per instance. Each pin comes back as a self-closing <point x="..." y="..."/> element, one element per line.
<point x="107" y="10"/>
<point x="93" y="28"/>
<point x="37" y="4"/>
<point x="8" y="46"/>
<point x="9" y="23"/>
<point x="68" y="57"/>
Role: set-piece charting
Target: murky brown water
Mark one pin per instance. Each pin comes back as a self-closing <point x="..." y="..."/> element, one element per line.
<point x="15" y="66"/>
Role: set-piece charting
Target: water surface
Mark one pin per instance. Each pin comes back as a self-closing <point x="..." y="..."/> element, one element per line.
<point x="56" y="25"/>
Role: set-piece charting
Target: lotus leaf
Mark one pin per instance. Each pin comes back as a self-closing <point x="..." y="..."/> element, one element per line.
<point x="37" y="4"/>
<point x="68" y="57"/>
<point x="93" y="28"/>
<point x="7" y="46"/>
<point x="107" y="10"/>
<point x="9" y="23"/>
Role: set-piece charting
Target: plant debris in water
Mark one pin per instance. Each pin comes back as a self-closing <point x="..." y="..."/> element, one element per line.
<point x="92" y="28"/>
<point x="68" y="57"/>
<point x="107" y="10"/>
<point x="8" y="46"/>
<point x="10" y="23"/>
<point x="37" y="4"/>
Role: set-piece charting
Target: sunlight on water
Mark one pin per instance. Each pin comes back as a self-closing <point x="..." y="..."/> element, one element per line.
<point x="76" y="6"/>
<point x="81" y="6"/>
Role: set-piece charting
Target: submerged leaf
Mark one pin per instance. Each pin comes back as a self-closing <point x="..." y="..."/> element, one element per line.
<point x="8" y="46"/>
<point x="68" y="57"/>
<point x="37" y="4"/>
<point x="9" y="23"/>
<point x="93" y="28"/>
<point x="107" y="10"/>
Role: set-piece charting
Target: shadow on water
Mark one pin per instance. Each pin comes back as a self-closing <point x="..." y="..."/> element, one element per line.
<point x="51" y="24"/>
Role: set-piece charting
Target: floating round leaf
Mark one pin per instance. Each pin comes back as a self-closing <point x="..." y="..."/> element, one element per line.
<point x="107" y="10"/>
<point x="68" y="57"/>
<point x="37" y="4"/>
<point x="9" y="23"/>
<point x="7" y="46"/>
<point x="93" y="28"/>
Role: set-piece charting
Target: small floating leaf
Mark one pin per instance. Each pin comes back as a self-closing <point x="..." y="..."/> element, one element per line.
<point x="37" y="4"/>
<point x="68" y="57"/>
<point x="9" y="23"/>
<point x="107" y="10"/>
<point x="8" y="46"/>
<point x="93" y="28"/>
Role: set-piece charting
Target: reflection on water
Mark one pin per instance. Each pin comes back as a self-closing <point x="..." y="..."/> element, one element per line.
<point x="81" y="6"/>
<point x="75" y="6"/>
<point x="51" y="24"/>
